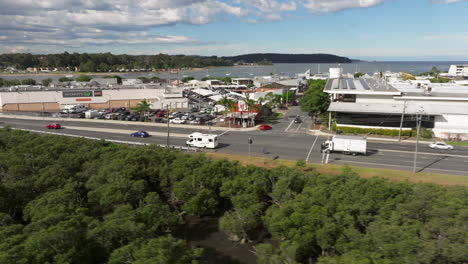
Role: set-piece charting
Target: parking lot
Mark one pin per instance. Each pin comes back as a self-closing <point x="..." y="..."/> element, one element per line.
<point x="194" y="116"/>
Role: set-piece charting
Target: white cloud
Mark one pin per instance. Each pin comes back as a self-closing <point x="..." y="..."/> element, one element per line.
<point x="338" y="5"/>
<point x="33" y="24"/>
<point x="269" y="6"/>
<point x="447" y="1"/>
<point x="87" y="22"/>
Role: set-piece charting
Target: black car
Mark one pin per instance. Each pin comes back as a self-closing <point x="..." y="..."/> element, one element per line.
<point x="297" y="119"/>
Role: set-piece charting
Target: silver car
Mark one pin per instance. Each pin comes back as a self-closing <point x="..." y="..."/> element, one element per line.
<point x="440" y="145"/>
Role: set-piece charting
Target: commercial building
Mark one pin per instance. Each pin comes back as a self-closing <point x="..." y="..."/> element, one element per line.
<point x="372" y="102"/>
<point x="37" y="98"/>
<point x="458" y="70"/>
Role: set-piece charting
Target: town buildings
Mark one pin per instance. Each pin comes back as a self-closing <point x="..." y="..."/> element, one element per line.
<point x="376" y="103"/>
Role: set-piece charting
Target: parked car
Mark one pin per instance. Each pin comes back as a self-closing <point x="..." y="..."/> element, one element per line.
<point x="54" y="126"/>
<point x="440" y="145"/>
<point x="177" y="121"/>
<point x="140" y="133"/>
<point x="265" y="127"/>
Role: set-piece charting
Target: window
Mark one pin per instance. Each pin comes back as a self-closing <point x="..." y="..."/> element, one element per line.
<point x="199" y="139"/>
<point x="210" y="140"/>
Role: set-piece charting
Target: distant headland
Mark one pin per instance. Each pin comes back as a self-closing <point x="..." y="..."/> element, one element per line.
<point x="288" y="58"/>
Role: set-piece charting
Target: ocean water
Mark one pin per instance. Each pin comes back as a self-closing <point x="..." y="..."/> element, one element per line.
<point x="288" y="69"/>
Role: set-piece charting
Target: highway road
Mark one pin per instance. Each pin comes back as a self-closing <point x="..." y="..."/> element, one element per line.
<point x="287" y="140"/>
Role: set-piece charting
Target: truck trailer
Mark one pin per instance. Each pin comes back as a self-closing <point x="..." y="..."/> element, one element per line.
<point x="352" y="145"/>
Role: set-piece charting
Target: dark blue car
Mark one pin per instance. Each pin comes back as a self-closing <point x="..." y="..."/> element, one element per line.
<point x="140" y="134"/>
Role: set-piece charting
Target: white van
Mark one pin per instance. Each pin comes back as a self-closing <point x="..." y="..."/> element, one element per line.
<point x="73" y="108"/>
<point x="200" y="140"/>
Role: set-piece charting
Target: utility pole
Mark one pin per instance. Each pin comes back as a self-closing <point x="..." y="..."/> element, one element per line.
<point x="167" y="112"/>
<point x="418" y="128"/>
<point x="401" y="122"/>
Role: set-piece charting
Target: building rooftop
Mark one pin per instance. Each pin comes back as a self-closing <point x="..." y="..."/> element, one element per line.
<point x="360" y="85"/>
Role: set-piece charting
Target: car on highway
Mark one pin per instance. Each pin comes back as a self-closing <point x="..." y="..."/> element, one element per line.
<point x="440" y="145"/>
<point x="265" y="127"/>
<point x="140" y="133"/>
<point x="54" y="126"/>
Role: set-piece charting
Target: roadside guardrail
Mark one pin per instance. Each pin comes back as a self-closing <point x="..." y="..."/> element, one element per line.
<point x="181" y="148"/>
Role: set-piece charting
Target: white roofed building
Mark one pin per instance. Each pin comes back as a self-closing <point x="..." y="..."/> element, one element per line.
<point x="458" y="70"/>
<point x="376" y="103"/>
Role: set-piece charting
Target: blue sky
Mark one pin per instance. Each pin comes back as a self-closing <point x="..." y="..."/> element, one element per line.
<point x="360" y="29"/>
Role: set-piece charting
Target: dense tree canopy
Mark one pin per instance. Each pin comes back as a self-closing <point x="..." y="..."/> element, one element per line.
<point x="315" y="101"/>
<point x="103" y="62"/>
<point x="68" y="200"/>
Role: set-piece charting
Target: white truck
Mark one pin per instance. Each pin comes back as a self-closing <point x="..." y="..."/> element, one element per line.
<point x="73" y="109"/>
<point x="200" y="140"/>
<point x="345" y="144"/>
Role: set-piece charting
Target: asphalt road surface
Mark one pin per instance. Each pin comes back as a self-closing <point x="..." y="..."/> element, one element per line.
<point x="287" y="140"/>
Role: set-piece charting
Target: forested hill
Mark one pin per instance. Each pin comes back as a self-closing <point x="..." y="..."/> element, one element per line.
<point x="99" y="62"/>
<point x="289" y="58"/>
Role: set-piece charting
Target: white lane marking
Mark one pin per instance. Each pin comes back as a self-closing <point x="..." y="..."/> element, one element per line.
<point x="286" y="130"/>
<point x="223" y="133"/>
<point x="311" y="148"/>
<point x="123" y="131"/>
<point x="424" y="153"/>
<point x="297" y="129"/>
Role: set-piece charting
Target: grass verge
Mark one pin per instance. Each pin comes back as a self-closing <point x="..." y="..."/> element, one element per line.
<point x="458" y="143"/>
<point x="333" y="169"/>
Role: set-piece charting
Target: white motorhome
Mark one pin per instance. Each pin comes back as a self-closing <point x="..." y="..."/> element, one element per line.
<point x="73" y="108"/>
<point x="200" y="140"/>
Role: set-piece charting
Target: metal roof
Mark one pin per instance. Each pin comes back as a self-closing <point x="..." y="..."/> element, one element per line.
<point x="358" y="85"/>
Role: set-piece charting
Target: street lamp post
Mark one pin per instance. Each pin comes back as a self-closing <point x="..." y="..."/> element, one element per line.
<point x="167" y="112"/>
<point x="419" y="115"/>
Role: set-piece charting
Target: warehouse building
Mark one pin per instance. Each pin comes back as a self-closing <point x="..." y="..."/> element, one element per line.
<point x="38" y="99"/>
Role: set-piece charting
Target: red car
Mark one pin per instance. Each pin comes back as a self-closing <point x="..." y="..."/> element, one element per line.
<point x="265" y="127"/>
<point x="54" y="126"/>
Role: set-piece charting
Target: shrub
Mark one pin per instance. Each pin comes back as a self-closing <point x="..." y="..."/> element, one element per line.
<point x="300" y="163"/>
<point x="374" y="131"/>
<point x="426" y="133"/>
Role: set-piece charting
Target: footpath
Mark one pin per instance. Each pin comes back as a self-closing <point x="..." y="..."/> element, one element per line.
<point x="119" y="122"/>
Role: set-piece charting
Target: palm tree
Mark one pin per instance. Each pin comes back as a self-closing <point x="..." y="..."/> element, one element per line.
<point x="143" y="108"/>
<point x="252" y="106"/>
<point x="228" y="105"/>
<point x="271" y="99"/>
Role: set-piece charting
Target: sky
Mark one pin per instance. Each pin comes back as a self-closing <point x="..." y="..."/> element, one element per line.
<point x="385" y="30"/>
